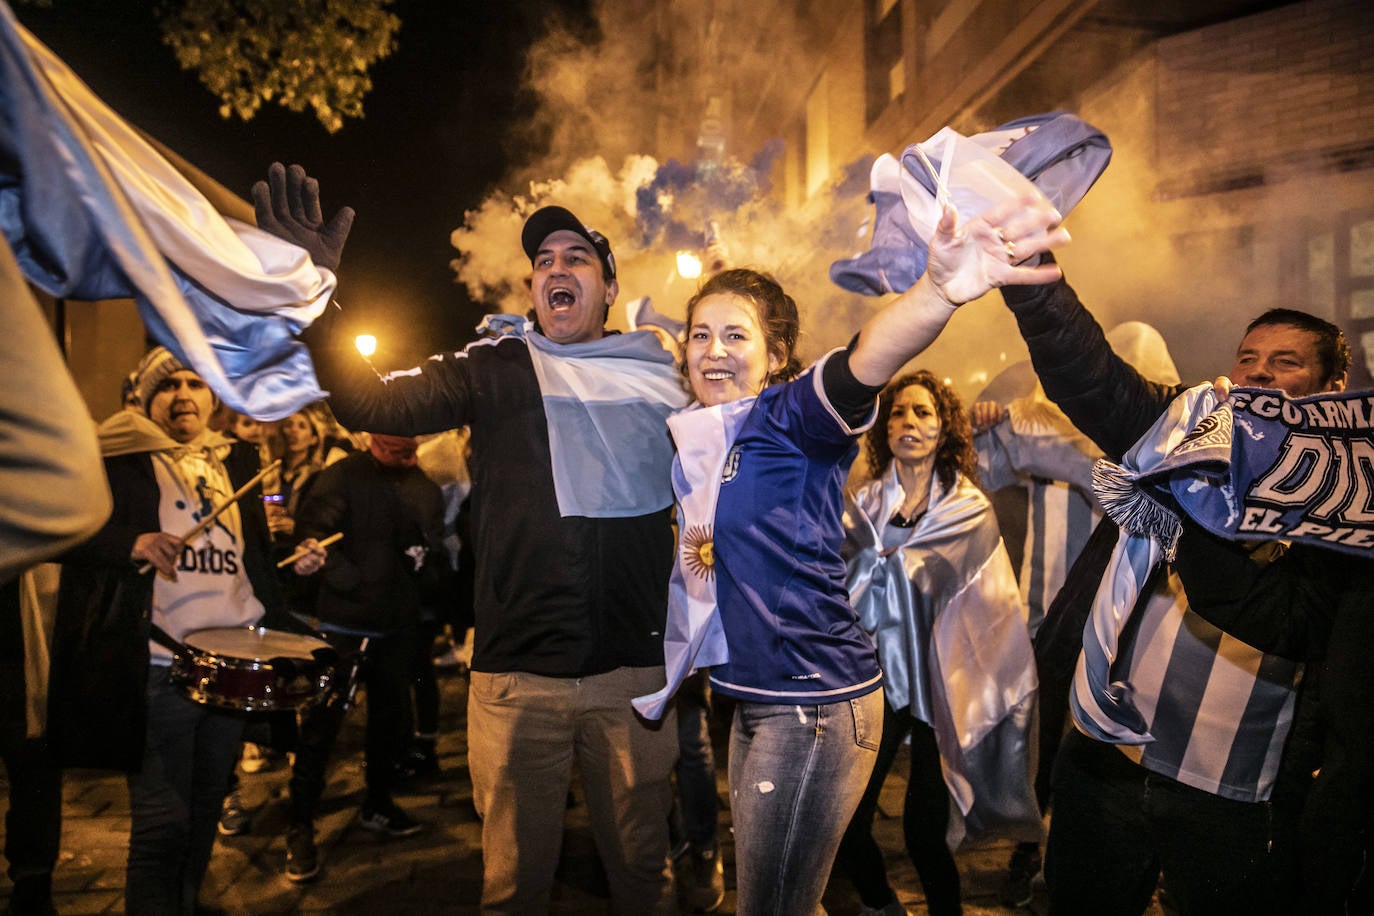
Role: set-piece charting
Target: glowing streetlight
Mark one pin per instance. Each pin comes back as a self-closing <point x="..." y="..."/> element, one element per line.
<point x="688" y="265"/>
<point x="366" y="344"/>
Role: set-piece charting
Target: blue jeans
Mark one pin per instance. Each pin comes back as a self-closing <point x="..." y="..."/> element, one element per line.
<point x="796" y="775"/>
<point x="175" y="798"/>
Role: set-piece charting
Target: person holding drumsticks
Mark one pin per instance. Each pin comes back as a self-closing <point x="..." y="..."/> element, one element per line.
<point x="139" y="585"/>
<point x="390" y="562"/>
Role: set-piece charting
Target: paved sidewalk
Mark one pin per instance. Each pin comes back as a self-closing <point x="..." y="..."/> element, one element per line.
<point x="437" y="871"/>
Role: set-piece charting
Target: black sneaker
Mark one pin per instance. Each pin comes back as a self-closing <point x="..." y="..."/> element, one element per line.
<point x="707" y="877"/>
<point x="302" y="860"/>
<point x="234" y="818"/>
<point x="386" y="817"/>
<point x="1021" y="871"/>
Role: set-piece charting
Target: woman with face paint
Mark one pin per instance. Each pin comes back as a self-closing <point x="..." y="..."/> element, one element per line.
<point x="927" y="570"/>
<point x="758" y="590"/>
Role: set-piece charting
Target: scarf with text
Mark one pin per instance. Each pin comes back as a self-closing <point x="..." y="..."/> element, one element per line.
<point x="1260" y="466"/>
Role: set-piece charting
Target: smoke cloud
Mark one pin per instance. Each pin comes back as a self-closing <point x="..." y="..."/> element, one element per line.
<point x="1196" y="267"/>
<point x="596" y="87"/>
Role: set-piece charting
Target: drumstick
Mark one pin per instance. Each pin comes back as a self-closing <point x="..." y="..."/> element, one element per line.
<point x="209" y="520"/>
<point x="301" y="552"/>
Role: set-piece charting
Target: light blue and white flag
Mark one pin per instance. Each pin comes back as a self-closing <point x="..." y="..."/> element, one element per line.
<point x="695" y="637"/>
<point x="945" y="611"/>
<point x="93" y="211"/>
<point x="1102" y="707"/>
<point x="606" y="403"/>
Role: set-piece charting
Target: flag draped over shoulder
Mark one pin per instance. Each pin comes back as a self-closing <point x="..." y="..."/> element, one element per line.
<point x="945" y="610"/>
<point x="1104" y="708"/>
<point x="606" y="403"/>
<point x="1260" y="466"/>
<point x="93" y="211"/>
<point x="695" y="636"/>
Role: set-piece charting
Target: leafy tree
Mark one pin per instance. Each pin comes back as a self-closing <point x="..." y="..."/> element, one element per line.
<point x="296" y="53"/>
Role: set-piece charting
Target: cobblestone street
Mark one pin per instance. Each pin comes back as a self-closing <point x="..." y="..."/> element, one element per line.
<point x="437" y="871"/>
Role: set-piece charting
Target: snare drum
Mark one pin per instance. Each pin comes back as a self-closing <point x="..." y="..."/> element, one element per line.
<point x="253" y="669"/>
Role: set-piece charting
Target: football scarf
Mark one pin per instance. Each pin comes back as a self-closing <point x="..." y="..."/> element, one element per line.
<point x="1261" y="466"/>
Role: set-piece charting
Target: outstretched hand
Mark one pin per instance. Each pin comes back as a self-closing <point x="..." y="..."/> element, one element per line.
<point x="999" y="248"/>
<point x="288" y="206"/>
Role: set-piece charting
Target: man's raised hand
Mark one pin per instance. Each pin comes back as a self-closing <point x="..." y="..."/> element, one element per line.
<point x="288" y="206"/>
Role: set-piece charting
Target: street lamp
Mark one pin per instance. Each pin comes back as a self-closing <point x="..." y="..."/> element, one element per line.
<point x="688" y="265"/>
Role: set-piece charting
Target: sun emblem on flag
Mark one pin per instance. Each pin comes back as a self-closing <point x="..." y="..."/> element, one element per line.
<point x="698" y="551"/>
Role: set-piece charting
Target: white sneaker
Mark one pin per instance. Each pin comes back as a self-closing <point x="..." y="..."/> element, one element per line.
<point x="253" y="759"/>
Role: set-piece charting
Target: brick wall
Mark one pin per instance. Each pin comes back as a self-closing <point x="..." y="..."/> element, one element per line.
<point x="1288" y="89"/>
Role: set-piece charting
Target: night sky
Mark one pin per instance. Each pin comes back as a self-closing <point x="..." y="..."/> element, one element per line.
<point x="431" y="145"/>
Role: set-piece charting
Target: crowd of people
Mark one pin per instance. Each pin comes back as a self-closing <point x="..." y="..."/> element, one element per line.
<point x="640" y="526"/>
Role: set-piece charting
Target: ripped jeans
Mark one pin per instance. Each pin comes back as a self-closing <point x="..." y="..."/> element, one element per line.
<point x="796" y="775"/>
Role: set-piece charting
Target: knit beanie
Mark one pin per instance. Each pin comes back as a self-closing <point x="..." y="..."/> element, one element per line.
<point x="153" y="369"/>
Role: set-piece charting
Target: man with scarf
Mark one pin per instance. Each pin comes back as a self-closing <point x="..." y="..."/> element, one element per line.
<point x="112" y="701"/>
<point x="1320" y="617"/>
<point x="571" y="530"/>
<point x="1186" y="790"/>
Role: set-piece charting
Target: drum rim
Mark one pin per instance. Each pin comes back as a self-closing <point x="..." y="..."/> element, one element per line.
<point x="314" y="641"/>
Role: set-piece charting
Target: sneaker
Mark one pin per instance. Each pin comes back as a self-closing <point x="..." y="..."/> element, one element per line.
<point x="1021" y="871"/>
<point x="302" y="859"/>
<point x="255" y="758"/>
<point x="707" y="877"/>
<point x="386" y="817"/>
<point x="234" y="819"/>
<point x="894" y="908"/>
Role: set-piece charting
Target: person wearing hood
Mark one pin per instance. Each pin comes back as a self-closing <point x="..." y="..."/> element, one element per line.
<point x="112" y="702"/>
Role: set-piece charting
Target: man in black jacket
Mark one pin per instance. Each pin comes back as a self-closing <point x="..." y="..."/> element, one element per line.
<point x="372" y="585"/>
<point x="573" y="542"/>
<point x="1319" y="615"/>
<point x="1194" y="799"/>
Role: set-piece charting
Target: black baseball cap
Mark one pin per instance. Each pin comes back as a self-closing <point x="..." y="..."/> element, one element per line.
<point x="548" y="220"/>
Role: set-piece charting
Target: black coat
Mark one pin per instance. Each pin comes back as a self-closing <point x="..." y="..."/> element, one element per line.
<point x="98" y="683"/>
<point x="554" y="595"/>
<point x="387" y="516"/>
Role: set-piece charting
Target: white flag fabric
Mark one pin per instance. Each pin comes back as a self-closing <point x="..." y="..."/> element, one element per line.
<point x="93" y="211"/>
